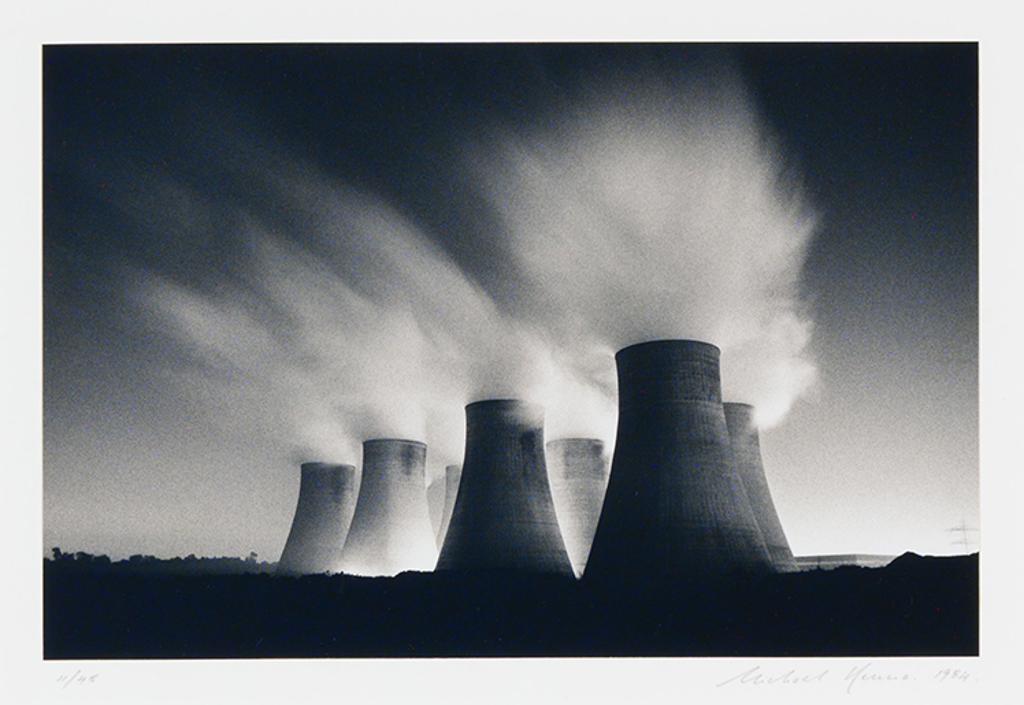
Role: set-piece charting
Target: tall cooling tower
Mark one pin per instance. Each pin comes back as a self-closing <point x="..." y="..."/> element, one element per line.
<point x="578" y="471"/>
<point x="504" y="518"/>
<point x="675" y="506"/>
<point x="391" y="529"/>
<point x="327" y="499"/>
<point x="746" y="446"/>
<point x="452" y="477"/>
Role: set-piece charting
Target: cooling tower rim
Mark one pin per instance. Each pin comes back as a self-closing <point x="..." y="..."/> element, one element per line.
<point x="738" y="405"/>
<point x="575" y="439"/>
<point x="488" y="407"/>
<point x="394" y="441"/>
<point x="317" y="465"/>
<point x="668" y="343"/>
<point x="503" y="403"/>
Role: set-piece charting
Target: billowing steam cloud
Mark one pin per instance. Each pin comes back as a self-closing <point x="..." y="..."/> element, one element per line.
<point x="648" y="213"/>
<point x="660" y="212"/>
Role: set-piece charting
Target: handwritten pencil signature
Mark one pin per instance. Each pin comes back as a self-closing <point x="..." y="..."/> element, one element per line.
<point x="850" y="679"/>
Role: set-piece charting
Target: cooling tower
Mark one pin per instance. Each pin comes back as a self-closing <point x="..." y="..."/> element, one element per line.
<point x="435" y="502"/>
<point x="504" y="518"/>
<point x="675" y="506"/>
<point x="746" y="446"/>
<point x="327" y="499"/>
<point x="452" y="476"/>
<point x="578" y="472"/>
<point x="391" y="529"/>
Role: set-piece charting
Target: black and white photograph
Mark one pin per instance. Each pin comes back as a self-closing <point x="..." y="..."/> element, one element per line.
<point x="432" y="353"/>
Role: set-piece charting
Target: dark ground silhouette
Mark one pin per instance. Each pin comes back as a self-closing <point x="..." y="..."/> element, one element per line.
<point x="139" y="563"/>
<point x="149" y="608"/>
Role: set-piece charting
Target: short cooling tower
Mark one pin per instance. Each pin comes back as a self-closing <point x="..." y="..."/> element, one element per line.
<point x="391" y="529"/>
<point x="504" y="518"/>
<point x="578" y="471"/>
<point x="435" y="503"/>
<point x="452" y="476"/>
<point x="746" y="446"/>
<point x="675" y="505"/>
<point x="327" y="499"/>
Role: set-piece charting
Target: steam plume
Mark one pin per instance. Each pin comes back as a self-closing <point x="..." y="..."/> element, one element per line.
<point x="642" y="212"/>
<point x="660" y="211"/>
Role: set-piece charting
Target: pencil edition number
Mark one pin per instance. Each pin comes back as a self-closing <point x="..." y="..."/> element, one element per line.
<point x="77" y="678"/>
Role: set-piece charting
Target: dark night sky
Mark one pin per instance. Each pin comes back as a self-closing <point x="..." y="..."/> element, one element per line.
<point x="158" y="160"/>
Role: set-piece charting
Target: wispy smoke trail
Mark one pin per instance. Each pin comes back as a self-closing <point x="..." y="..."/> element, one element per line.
<point x="647" y="213"/>
<point x="365" y="329"/>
